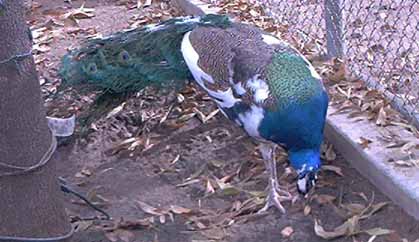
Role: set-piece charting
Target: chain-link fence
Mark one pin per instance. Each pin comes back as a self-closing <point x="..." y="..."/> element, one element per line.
<point x="378" y="39"/>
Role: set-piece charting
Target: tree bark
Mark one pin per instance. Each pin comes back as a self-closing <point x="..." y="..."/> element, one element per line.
<point x="31" y="204"/>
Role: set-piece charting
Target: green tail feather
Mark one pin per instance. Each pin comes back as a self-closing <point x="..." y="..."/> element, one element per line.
<point x="131" y="60"/>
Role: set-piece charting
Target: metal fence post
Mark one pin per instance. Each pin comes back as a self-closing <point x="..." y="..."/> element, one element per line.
<point x="333" y="19"/>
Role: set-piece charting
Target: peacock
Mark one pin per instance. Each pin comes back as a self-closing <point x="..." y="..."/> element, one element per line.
<point x="258" y="81"/>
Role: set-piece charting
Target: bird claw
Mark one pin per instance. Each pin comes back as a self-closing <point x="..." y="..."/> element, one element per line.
<point x="275" y="193"/>
<point x="274" y="198"/>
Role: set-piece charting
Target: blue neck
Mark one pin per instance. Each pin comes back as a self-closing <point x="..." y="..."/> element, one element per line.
<point x="298" y="126"/>
<point x="304" y="160"/>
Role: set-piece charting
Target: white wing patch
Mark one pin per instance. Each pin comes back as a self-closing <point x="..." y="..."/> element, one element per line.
<point x="227" y="97"/>
<point x="238" y="87"/>
<point x="271" y="40"/>
<point x="251" y="120"/>
<point x="191" y="58"/>
<point x="224" y="99"/>
<point x="260" y="89"/>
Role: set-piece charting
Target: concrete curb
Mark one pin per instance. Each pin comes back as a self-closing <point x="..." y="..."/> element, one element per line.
<point x="400" y="184"/>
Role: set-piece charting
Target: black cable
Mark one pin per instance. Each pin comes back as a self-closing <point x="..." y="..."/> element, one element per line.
<point x="29" y="239"/>
<point x="65" y="188"/>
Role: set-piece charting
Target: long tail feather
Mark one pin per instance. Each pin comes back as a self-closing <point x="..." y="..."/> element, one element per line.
<point x="134" y="59"/>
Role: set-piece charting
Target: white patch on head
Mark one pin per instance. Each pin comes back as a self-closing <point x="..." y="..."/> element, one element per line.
<point x="302" y="184"/>
<point x="191" y="58"/>
<point x="239" y="89"/>
<point x="260" y="89"/>
<point x="303" y="168"/>
<point x="251" y="120"/>
<point x="271" y="40"/>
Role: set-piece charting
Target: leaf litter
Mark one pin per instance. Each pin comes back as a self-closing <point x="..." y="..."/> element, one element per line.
<point x="192" y="104"/>
<point x="351" y="227"/>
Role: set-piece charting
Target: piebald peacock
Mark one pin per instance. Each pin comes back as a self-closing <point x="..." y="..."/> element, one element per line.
<point x="258" y="81"/>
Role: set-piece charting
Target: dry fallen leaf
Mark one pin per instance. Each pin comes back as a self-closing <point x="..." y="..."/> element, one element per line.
<point x="215" y="233"/>
<point x="149" y="209"/>
<point x="364" y="142"/>
<point x="83" y="173"/>
<point x="217" y="163"/>
<point x="402" y="163"/>
<point x="409" y="147"/>
<point x="125" y="235"/>
<point x="374" y="208"/>
<point x="334" y="169"/>
<point x="116" y="110"/>
<point x="133" y="224"/>
<point x="82" y="225"/>
<point x="209" y="188"/>
<point x="162" y="219"/>
<point x="348" y="228"/>
<point x="141" y="4"/>
<point x="324" y="198"/>
<point x="189" y="182"/>
<point x="337" y="232"/>
<point x="307" y="210"/>
<point x="378" y="231"/>
<point x="330" y="153"/>
<point x="79" y="13"/>
<point x="381" y="118"/>
<point x="287" y="231"/>
<point x="351" y="226"/>
<point x="120" y="235"/>
<point x="179" y="210"/>
<point x="354" y="208"/>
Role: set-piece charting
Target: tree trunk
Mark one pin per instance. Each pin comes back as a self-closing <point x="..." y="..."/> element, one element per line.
<point x="31" y="204"/>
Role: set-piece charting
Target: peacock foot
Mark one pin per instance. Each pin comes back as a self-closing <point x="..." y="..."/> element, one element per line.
<point x="274" y="198"/>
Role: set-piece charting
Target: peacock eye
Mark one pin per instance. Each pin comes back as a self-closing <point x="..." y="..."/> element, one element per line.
<point x="90" y="68"/>
<point x="124" y="55"/>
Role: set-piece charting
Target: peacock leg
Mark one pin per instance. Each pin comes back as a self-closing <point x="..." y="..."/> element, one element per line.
<point x="275" y="193"/>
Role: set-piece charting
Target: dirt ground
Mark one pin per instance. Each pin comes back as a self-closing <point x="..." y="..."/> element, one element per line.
<point x="198" y="181"/>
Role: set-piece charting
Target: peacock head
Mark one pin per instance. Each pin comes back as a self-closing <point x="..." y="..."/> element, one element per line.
<point x="307" y="164"/>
